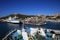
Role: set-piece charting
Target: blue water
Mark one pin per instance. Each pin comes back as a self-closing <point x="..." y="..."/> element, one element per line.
<point x="6" y="27"/>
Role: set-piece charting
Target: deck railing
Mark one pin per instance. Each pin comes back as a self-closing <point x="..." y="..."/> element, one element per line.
<point x="11" y="31"/>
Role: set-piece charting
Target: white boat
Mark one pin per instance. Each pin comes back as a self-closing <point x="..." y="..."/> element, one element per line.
<point x="13" y="20"/>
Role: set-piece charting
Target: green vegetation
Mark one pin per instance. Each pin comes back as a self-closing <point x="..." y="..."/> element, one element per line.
<point x="25" y="16"/>
<point x="18" y="15"/>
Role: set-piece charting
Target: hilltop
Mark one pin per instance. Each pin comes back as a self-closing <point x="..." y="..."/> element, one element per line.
<point x="18" y="15"/>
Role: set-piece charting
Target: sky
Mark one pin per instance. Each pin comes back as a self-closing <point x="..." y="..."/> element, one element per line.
<point x="29" y="7"/>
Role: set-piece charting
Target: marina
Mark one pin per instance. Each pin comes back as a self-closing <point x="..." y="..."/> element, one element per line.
<point x="29" y="19"/>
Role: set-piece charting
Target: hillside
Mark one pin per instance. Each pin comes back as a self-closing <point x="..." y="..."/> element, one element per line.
<point x="18" y="15"/>
<point x="55" y="16"/>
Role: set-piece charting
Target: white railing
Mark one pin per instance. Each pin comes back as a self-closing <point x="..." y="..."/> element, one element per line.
<point x="10" y="32"/>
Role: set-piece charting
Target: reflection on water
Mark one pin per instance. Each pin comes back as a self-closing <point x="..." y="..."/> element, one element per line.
<point x="10" y="25"/>
<point x="52" y="25"/>
<point x="3" y="29"/>
<point x="13" y="26"/>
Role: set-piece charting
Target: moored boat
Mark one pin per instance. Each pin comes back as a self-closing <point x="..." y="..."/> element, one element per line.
<point x="12" y="20"/>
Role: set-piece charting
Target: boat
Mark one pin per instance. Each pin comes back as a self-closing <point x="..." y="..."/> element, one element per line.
<point x="13" y="20"/>
<point x="35" y="34"/>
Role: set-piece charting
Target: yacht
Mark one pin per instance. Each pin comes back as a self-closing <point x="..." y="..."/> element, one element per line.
<point x="13" y="20"/>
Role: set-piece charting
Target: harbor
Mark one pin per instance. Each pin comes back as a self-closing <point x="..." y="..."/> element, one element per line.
<point x="30" y="28"/>
<point x="29" y="19"/>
